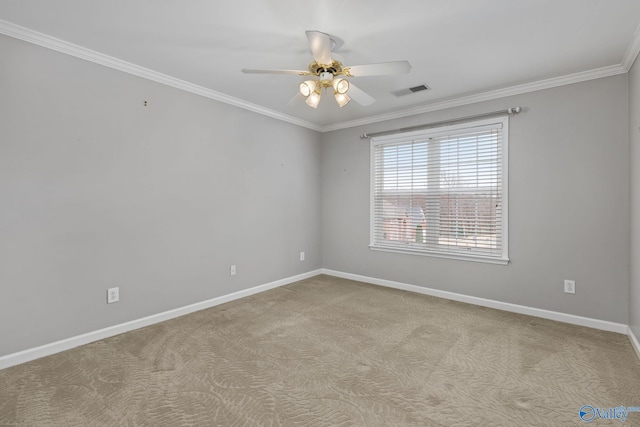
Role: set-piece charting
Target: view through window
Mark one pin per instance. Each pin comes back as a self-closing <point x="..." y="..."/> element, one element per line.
<point x="442" y="191"/>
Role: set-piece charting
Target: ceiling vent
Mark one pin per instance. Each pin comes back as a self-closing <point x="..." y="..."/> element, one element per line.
<point x="410" y="90"/>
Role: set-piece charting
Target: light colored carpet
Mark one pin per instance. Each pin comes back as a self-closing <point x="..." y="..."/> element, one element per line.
<point x="331" y="352"/>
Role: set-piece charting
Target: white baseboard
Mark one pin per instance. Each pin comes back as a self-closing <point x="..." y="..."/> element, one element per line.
<point x="66" y="344"/>
<point x="505" y="306"/>
<point x="634" y="342"/>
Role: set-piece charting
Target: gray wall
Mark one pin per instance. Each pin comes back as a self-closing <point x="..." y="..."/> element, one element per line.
<point x="97" y="191"/>
<point x="634" y="141"/>
<point x="568" y="205"/>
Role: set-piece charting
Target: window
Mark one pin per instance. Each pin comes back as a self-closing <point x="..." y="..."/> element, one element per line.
<point x="442" y="191"/>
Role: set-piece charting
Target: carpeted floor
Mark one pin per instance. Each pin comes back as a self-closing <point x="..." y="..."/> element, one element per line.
<point x="331" y="352"/>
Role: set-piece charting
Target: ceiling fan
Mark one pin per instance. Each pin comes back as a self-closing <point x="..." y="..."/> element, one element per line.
<point x="330" y="74"/>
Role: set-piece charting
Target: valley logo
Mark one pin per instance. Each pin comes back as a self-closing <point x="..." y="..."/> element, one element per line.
<point x="589" y="413"/>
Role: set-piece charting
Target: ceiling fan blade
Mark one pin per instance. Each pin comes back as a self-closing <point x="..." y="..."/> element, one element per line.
<point x="360" y="96"/>
<point x="320" y="45"/>
<point x="380" y="69"/>
<point x="293" y="72"/>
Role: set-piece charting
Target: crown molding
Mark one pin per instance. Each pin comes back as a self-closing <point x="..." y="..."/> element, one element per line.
<point x="484" y="96"/>
<point x="632" y="51"/>
<point x="62" y="46"/>
<point x="34" y="37"/>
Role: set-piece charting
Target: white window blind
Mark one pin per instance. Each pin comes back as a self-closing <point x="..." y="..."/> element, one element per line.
<point x="442" y="191"/>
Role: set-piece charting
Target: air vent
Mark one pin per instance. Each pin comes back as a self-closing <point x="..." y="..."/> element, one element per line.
<point x="410" y="90"/>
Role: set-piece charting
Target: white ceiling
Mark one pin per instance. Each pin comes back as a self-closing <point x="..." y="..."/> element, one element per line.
<point x="462" y="49"/>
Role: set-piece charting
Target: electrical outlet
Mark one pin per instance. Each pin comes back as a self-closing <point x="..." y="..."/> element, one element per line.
<point x="301" y="256"/>
<point x="569" y="286"/>
<point x="232" y="270"/>
<point x="113" y="295"/>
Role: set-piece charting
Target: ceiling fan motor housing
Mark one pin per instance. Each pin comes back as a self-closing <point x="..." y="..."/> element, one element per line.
<point x="334" y="68"/>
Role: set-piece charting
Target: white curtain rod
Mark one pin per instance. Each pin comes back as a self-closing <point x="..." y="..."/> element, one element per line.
<point x="511" y="111"/>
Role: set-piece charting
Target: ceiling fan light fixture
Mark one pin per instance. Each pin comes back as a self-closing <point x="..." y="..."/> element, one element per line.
<point x="306" y="88"/>
<point x="327" y="72"/>
<point x="342" y="99"/>
<point x="313" y="99"/>
<point x="340" y="86"/>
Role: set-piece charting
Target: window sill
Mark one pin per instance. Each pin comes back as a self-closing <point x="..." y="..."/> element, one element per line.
<point x="434" y="254"/>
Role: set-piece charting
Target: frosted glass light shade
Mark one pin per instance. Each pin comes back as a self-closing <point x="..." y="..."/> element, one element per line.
<point x="313" y="100"/>
<point x="342" y="99"/>
<point x="307" y="87"/>
<point x="340" y="85"/>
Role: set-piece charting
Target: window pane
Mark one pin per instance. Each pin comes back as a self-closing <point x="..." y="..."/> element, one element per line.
<point x="441" y="194"/>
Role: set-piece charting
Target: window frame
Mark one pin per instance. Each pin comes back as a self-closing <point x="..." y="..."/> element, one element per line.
<point x="435" y="132"/>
